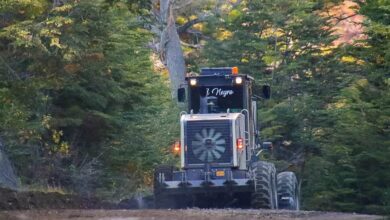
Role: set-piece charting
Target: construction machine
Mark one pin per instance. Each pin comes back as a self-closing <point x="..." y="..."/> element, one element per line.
<point x="220" y="149"/>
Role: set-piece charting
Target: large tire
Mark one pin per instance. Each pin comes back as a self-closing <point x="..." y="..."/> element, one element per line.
<point x="162" y="201"/>
<point x="264" y="195"/>
<point x="288" y="191"/>
<point x="167" y="170"/>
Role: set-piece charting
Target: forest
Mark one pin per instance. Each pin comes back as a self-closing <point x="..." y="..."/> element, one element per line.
<point x="88" y="90"/>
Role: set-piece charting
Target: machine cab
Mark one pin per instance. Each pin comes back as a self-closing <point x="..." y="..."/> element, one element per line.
<point x="219" y="90"/>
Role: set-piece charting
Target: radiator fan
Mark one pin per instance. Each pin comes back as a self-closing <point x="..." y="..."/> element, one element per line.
<point x="208" y="145"/>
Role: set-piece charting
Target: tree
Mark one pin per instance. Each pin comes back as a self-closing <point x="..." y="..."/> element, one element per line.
<point x="78" y="78"/>
<point x="355" y="144"/>
<point x="321" y="115"/>
<point x="284" y="44"/>
<point x="168" y="46"/>
<point x="170" y="38"/>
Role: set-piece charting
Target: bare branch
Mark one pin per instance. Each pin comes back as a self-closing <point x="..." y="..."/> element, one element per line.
<point x="195" y="46"/>
<point x="342" y="18"/>
<point x="189" y="24"/>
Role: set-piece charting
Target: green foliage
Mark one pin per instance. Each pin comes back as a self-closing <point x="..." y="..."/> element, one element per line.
<point x="282" y="43"/>
<point x="356" y="144"/>
<point x="79" y="96"/>
<point x="328" y="118"/>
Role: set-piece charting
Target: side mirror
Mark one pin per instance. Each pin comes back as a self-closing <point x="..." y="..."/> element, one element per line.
<point x="267" y="146"/>
<point x="266" y="91"/>
<point x="181" y="94"/>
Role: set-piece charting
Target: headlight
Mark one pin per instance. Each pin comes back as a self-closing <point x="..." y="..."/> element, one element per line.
<point x="238" y="80"/>
<point x="193" y="82"/>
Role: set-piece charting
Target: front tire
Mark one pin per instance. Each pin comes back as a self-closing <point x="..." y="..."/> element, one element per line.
<point x="264" y="195"/>
<point x="288" y="191"/>
<point x="162" y="201"/>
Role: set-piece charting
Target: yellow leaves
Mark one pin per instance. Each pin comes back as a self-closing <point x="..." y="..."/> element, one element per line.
<point x="181" y="20"/>
<point x="271" y="32"/>
<point x="223" y="34"/>
<point x="379" y="59"/>
<point x="318" y="132"/>
<point x="54" y="29"/>
<point x="27" y="8"/>
<point x="348" y="59"/>
<point x="56" y="136"/>
<point x="55" y="42"/>
<point x="192" y="17"/>
<point x="225" y="8"/>
<point x="147" y="178"/>
<point x="26" y="35"/>
<point x="351" y="59"/>
<point x="46" y="121"/>
<point x="63" y="8"/>
<point x="59" y="146"/>
<point x="233" y="1"/>
<point x="308" y="73"/>
<point x="326" y="51"/>
<point x="49" y="32"/>
<point x="19" y="34"/>
<point x="234" y="14"/>
<point x="158" y="66"/>
<point x="55" y="142"/>
<point x="199" y="26"/>
<point x="342" y="103"/>
<point x="244" y="60"/>
<point x="269" y="59"/>
<point x="28" y="134"/>
<point x="59" y="21"/>
<point x="165" y="73"/>
<point x="64" y="148"/>
<point x="362" y="83"/>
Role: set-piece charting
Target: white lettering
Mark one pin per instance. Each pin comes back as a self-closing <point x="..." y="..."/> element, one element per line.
<point x="219" y="92"/>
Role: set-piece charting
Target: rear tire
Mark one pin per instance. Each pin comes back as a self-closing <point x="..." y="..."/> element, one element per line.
<point x="264" y="195"/>
<point x="288" y="191"/>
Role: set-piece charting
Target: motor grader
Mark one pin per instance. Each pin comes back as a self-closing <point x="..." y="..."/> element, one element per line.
<point x="219" y="149"/>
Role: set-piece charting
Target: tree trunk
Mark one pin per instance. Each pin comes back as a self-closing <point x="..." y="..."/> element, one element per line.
<point x="170" y="48"/>
<point x="7" y="175"/>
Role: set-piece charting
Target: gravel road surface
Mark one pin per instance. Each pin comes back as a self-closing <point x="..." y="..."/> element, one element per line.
<point x="196" y="214"/>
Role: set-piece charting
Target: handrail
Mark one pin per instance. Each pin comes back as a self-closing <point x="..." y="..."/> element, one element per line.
<point x="183" y="113"/>
<point x="247" y="119"/>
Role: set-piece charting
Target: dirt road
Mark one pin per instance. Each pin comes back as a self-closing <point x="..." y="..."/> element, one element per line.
<point x="197" y="214"/>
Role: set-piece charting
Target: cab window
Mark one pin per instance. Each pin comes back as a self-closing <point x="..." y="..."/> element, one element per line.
<point x="216" y="99"/>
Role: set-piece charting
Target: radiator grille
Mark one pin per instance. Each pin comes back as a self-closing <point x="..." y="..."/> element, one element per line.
<point x="208" y="142"/>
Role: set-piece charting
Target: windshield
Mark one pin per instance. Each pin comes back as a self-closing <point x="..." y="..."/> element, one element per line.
<point x="209" y="99"/>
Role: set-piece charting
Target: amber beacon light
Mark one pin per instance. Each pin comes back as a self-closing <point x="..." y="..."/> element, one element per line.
<point x="176" y="147"/>
<point x="235" y="70"/>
